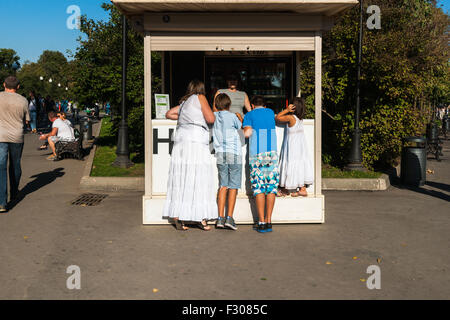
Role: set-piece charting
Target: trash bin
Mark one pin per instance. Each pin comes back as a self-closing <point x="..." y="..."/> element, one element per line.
<point x="87" y="129"/>
<point x="414" y="161"/>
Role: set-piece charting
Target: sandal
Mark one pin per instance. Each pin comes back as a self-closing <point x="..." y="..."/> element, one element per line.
<point x="43" y="147"/>
<point x="295" y="194"/>
<point x="180" y="225"/>
<point x="52" y="158"/>
<point x="205" y="226"/>
<point x="302" y="192"/>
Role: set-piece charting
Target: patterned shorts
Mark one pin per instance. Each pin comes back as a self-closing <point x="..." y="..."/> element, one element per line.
<point x="264" y="173"/>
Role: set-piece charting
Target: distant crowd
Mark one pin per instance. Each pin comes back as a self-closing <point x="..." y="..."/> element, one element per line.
<point x="38" y="115"/>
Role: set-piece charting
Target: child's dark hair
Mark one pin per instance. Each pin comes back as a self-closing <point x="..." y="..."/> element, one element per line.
<point x="222" y="102"/>
<point x="257" y="101"/>
<point x="300" y="107"/>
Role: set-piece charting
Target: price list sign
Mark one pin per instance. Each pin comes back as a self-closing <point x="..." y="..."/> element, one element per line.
<point x="162" y="104"/>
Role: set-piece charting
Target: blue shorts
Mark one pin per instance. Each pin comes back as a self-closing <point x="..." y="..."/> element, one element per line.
<point x="229" y="166"/>
<point x="264" y="173"/>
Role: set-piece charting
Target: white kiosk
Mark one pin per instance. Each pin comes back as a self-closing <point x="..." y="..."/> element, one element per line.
<point x="232" y="25"/>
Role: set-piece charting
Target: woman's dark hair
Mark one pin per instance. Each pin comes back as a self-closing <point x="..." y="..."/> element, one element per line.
<point x="223" y="102"/>
<point x="194" y="87"/>
<point x="300" y="107"/>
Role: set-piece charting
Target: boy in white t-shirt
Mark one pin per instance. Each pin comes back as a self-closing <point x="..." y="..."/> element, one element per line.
<point x="61" y="131"/>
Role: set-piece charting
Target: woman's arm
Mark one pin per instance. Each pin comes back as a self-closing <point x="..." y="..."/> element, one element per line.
<point x="172" y="114"/>
<point x="247" y="103"/>
<point x="206" y="110"/>
<point x="214" y="102"/>
<point x="285" y="116"/>
<point x="248" y="131"/>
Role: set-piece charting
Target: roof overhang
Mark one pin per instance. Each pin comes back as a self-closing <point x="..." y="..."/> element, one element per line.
<point x="313" y="7"/>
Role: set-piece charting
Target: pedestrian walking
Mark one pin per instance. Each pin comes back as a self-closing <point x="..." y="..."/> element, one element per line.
<point x="13" y="112"/>
<point x="33" y="103"/>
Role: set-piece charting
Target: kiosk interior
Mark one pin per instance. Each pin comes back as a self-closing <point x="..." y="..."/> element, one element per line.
<point x="260" y="41"/>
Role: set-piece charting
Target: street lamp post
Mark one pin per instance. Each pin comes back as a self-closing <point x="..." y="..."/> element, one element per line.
<point x="355" y="157"/>
<point x="123" y="152"/>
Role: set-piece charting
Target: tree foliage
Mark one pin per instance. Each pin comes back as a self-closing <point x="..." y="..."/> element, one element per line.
<point x="50" y="65"/>
<point x="98" y="69"/>
<point x="405" y="72"/>
<point x="7" y="59"/>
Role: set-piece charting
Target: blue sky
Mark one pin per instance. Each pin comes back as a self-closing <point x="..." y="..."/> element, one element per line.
<point x="40" y="25"/>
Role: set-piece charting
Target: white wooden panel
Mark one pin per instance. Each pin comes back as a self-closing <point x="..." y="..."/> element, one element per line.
<point x="318" y="113"/>
<point x="148" y="114"/>
<point x="287" y="210"/>
<point x="161" y="160"/>
<point x="231" y="43"/>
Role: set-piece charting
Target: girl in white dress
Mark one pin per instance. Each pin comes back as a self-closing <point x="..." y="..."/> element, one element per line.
<point x="190" y="188"/>
<point x="296" y="169"/>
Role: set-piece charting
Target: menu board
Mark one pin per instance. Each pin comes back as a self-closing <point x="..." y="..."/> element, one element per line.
<point x="162" y="103"/>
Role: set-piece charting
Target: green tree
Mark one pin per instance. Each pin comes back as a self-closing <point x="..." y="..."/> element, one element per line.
<point x="98" y="69"/>
<point x="7" y="59"/>
<point x="50" y="65"/>
<point x="405" y="71"/>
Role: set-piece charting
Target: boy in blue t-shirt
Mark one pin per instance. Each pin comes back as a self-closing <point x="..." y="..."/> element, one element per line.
<point x="228" y="147"/>
<point x="259" y="126"/>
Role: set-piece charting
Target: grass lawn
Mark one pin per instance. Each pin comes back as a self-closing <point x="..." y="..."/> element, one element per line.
<point x="106" y="154"/>
<point x="333" y="172"/>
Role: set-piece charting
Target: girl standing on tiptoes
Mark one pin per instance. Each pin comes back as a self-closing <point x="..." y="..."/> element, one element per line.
<point x="296" y="169"/>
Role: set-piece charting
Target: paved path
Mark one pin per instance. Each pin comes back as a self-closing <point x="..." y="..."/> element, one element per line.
<point x="122" y="259"/>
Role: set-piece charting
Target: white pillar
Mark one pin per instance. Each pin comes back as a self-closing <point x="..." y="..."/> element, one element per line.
<point x="148" y="138"/>
<point x="298" y="90"/>
<point x="318" y="114"/>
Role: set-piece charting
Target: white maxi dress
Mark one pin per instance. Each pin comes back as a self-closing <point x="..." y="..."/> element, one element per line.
<point x="191" y="192"/>
<point x="296" y="168"/>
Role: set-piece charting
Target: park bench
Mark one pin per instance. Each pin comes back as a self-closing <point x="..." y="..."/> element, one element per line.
<point x="73" y="148"/>
<point x="434" y="143"/>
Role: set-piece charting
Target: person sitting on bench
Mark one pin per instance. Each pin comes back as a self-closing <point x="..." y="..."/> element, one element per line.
<point x="61" y="131"/>
<point x="63" y="117"/>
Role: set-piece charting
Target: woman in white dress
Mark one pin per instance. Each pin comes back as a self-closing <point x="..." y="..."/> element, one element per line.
<point x="190" y="189"/>
<point x="296" y="169"/>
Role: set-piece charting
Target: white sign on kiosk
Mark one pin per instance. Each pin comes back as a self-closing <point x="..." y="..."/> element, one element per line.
<point x="162" y="104"/>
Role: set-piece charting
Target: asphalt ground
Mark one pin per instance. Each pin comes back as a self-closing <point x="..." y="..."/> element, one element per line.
<point x="405" y="232"/>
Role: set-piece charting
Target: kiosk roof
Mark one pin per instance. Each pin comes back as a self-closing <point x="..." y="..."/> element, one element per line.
<point x="325" y="7"/>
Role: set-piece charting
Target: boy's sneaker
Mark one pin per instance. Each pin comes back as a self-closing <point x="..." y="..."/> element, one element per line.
<point x="268" y="227"/>
<point x="230" y="223"/>
<point x="220" y="223"/>
<point x="261" y="228"/>
<point x="3" y="209"/>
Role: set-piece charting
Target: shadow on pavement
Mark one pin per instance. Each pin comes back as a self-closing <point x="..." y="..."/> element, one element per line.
<point x="437" y="185"/>
<point x="395" y="182"/>
<point x="41" y="180"/>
